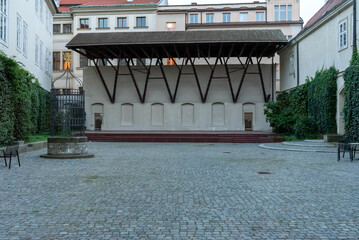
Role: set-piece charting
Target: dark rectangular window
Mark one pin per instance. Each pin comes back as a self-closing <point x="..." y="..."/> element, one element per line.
<point x="84" y="62"/>
<point x="141" y="22"/>
<point x="67" y="28"/>
<point x="56" y="61"/>
<point x="102" y="23"/>
<point x="121" y="22"/>
<point x="84" y="23"/>
<point x="193" y="18"/>
<point x="56" y="28"/>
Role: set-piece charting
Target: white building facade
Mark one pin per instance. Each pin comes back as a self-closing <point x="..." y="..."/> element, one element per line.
<point x="328" y="41"/>
<point x="26" y="35"/>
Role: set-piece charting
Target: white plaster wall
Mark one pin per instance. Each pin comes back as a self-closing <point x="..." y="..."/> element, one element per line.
<point x="26" y="10"/>
<point x="147" y="116"/>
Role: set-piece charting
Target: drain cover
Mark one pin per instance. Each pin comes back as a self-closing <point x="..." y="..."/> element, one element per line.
<point x="264" y="173"/>
<point x="226" y="152"/>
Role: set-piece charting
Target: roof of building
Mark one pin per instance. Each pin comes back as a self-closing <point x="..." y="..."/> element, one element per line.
<point x="66" y="4"/>
<point x="328" y="7"/>
<point x="233" y="43"/>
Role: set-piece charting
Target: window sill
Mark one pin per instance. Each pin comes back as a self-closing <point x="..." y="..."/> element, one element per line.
<point x="106" y="28"/>
<point x="140" y="27"/>
<point x="121" y="27"/>
<point x="63" y="33"/>
<point x="343" y="48"/>
<point x="81" y="29"/>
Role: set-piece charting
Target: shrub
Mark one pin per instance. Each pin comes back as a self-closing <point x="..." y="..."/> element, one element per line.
<point x="305" y="127"/>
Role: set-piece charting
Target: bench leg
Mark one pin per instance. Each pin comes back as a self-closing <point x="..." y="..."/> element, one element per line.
<point x="10" y="162"/>
<point x="5" y="161"/>
<point x="338" y="154"/>
<point x="18" y="158"/>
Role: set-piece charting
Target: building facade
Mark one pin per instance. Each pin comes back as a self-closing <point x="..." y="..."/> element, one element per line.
<point x="26" y="35"/>
<point x="327" y="40"/>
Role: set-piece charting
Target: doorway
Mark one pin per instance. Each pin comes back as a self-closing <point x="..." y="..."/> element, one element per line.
<point x="248" y="121"/>
<point x="98" y="121"/>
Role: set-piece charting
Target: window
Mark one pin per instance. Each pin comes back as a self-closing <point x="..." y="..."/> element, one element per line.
<point x="56" y="61"/>
<point x="209" y="18"/>
<point x="289" y="14"/>
<point x="36" y="50"/>
<point x="243" y="17"/>
<point x="18" y="33"/>
<point x="226" y="17"/>
<point x="25" y="36"/>
<point x="41" y="55"/>
<point x="84" y="62"/>
<point x="56" y="28"/>
<point x="47" y="60"/>
<point x="67" y="59"/>
<point x="41" y="10"/>
<point x="171" y="26"/>
<point x="123" y="62"/>
<point x="276" y="13"/>
<point x="141" y="22"/>
<point x="122" y="22"/>
<point x="260" y="16"/>
<point x="290" y="37"/>
<point x="102" y="62"/>
<point x="343" y="36"/>
<point x="3" y="20"/>
<point x="283" y="12"/>
<point x="67" y="28"/>
<point x="291" y="64"/>
<point x="84" y="23"/>
<point x="37" y="7"/>
<point x="193" y="18"/>
<point x="139" y="61"/>
<point x="102" y="23"/>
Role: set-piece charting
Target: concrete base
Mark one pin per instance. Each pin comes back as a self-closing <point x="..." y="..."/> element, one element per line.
<point x="67" y="148"/>
<point x="332" y="138"/>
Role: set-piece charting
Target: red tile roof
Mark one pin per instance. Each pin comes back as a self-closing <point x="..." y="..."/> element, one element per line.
<point x="66" y="4"/>
<point x="328" y="6"/>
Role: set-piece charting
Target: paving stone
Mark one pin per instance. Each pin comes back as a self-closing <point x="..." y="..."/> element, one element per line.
<point x="180" y="191"/>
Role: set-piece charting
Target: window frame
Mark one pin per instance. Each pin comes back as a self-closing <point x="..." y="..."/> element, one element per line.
<point x="226" y="17"/>
<point x="53" y="28"/>
<point x="260" y="13"/>
<point x="18" y="33"/>
<point x="25" y="38"/>
<point x="289" y="12"/>
<point x="243" y="14"/>
<point x="276" y="13"/>
<point x="123" y="20"/>
<point x="55" y="62"/>
<point x="195" y="16"/>
<point x="102" y="23"/>
<point x="283" y="13"/>
<point x="141" y="25"/>
<point x="4" y="19"/>
<point x="88" y="23"/>
<point x="209" y="17"/>
<point x="81" y="60"/>
<point x="63" y="28"/>
<point x="344" y="34"/>
<point x="36" y="50"/>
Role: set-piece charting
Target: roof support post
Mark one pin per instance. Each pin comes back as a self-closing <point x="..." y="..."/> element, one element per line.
<point x="178" y="80"/>
<point x="261" y="78"/>
<point x="229" y="81"/>
<point x="146" y="83"/>
<point x="133" y="78"/>
<point x="165" y="78"/>
<point x="103" y="81"/>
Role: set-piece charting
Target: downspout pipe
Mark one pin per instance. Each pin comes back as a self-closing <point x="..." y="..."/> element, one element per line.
<point x="297" y="48"/>
<point x="355" y="24"/>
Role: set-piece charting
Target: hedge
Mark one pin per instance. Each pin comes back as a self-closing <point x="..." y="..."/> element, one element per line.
<point x="24" y="103"/>
<point x="351" y="104"/>
<point x="307" y="110"/>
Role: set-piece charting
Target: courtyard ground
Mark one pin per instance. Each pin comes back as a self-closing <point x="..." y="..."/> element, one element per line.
<point x="180" y="191"/>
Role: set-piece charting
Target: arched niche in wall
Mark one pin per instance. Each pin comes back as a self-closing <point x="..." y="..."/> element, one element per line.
<point x="187" y="114"/>
<point x="157" y="114"/>
<point x="218" y="114"/>
<point x="97" y="116"/>
<point x="249" y="114"/>
<point x="127" y="112"/>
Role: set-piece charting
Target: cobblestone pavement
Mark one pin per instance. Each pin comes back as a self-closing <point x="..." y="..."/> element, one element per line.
<point x="181" y="191"/>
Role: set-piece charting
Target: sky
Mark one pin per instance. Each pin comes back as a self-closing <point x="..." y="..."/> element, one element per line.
<point x="307" y="7"/>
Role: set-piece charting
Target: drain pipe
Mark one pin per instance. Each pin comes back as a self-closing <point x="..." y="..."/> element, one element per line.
<point x="355" y="24"/>
<point x="297" y="43"/>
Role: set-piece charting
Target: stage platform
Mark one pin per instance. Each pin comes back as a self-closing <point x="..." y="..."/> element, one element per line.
<point x="184" y="136"/>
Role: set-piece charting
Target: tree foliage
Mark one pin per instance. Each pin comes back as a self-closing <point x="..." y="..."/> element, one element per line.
<point x="24" y="104"/>
<point x="308" y="109"/>
<point x="351" y="104"/>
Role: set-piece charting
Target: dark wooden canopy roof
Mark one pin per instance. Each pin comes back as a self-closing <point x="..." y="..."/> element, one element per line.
<point x="179" y="44"/>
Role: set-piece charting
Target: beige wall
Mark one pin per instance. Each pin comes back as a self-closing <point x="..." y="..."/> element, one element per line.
<point x="188" y="113"/>
<point x="319" y="48"/>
